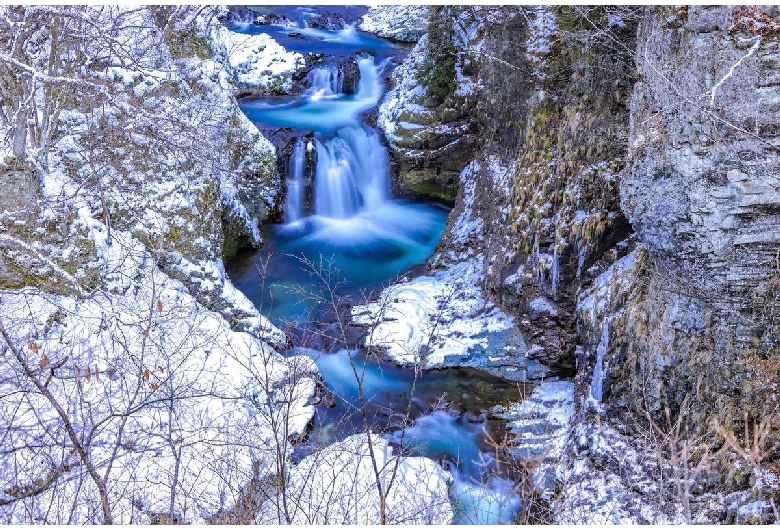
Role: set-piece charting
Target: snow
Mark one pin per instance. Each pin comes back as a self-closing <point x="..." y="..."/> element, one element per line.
<point x="468" y="224"/>
<point x="614" y="20"/>
<point x="539" y="429"/>
<point x="543" y="29"/>
<point x="405" y="94"/>
<point x="186" y="388"/>
<point x="594" y="300"/>
<point x="256" y="60"/>
<point x="543" y="305"/>
<point x="429" y="318"/>
<point x="604" y="480"/>
<point x="400" y="22"/>
<point x="338" y="486"/>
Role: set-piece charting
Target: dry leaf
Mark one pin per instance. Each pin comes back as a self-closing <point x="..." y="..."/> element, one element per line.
<point x="155" y="386"/>
<point x="146" y="374"/>
<point x="34" y="347"/>
<point x="159" y="305"/>
<point x="89" y="373"/>
<point x="44" y="362"/>
<point x="145" y="332"/>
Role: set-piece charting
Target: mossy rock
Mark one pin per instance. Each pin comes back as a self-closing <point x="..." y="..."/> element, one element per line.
<point x="427" y="184"/>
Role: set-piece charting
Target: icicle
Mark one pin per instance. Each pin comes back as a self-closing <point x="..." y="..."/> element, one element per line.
<point x="582" y="249"/>
<point x="596" y="385"/>
<point x="537" y="259"/>
<point x="555" y="273"/>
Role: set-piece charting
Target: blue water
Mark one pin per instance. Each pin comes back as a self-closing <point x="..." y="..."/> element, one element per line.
<point x="357" y="238"/>
<point x="307" y="40"/>
<point x="353" y="256"/>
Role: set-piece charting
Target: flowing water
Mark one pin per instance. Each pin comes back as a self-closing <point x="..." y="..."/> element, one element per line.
<point x="449" y="423"/>
<point x="355" y="229"/>
<point x="354" y="235"/>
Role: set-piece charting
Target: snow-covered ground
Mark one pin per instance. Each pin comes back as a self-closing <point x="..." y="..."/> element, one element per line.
<point x="605" y="480"/>
<point x="174" y="407"/>
<point x="338" y="485"/>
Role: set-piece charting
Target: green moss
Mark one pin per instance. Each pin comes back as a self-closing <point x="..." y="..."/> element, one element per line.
<point x="429" y="188"/>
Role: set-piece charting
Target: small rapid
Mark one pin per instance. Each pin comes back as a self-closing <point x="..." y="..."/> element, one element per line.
<point x="453" y="431"/>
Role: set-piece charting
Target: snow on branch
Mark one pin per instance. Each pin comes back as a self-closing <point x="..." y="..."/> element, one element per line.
<point x="49" y="78"/>
<point x="736" y="65"/>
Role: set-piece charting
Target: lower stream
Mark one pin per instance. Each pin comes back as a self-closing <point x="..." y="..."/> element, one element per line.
<point x="351" y="235"/>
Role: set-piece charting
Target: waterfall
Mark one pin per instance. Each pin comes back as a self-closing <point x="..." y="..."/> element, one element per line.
<point x="294" y="202"/>
<point x="369" y="86"/>
<point x="324" y="82"/>
<point x="351" y="174"/>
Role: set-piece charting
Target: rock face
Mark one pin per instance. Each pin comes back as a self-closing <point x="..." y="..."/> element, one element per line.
<point x="704" y="190"/>
<point x="551" y="118"/>
<point x="623" y="199"/>
<point x="430" y="135"/>
<point x="685" y="331"/>
<point x="703" y="195"/>
<point x="99" y="167"/>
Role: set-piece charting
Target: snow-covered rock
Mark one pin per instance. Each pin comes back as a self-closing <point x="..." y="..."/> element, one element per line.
<point x="407" y="23"/>
<point x="256" y="61"/>
<point x="338" y="485"/>
<point x="431" y="136"/>
<point x="161" y="367"/>
<point x="434" y="319"/>
<point x="444" y="318"/>
<point x="175" y="409"/>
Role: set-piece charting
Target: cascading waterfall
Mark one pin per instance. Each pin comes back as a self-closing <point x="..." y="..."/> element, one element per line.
<point x="351" y="174"/>
<point x="325" y="82"/>
<point x="366" y="237"/>
<point x="369" y="86"/>
<point x="293" y="205"/>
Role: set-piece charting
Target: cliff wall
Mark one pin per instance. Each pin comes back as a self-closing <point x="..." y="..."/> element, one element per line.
<point x="623" y="198"/>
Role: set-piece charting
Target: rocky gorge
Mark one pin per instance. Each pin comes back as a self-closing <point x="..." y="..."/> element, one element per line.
<point x="613" y="243"/>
